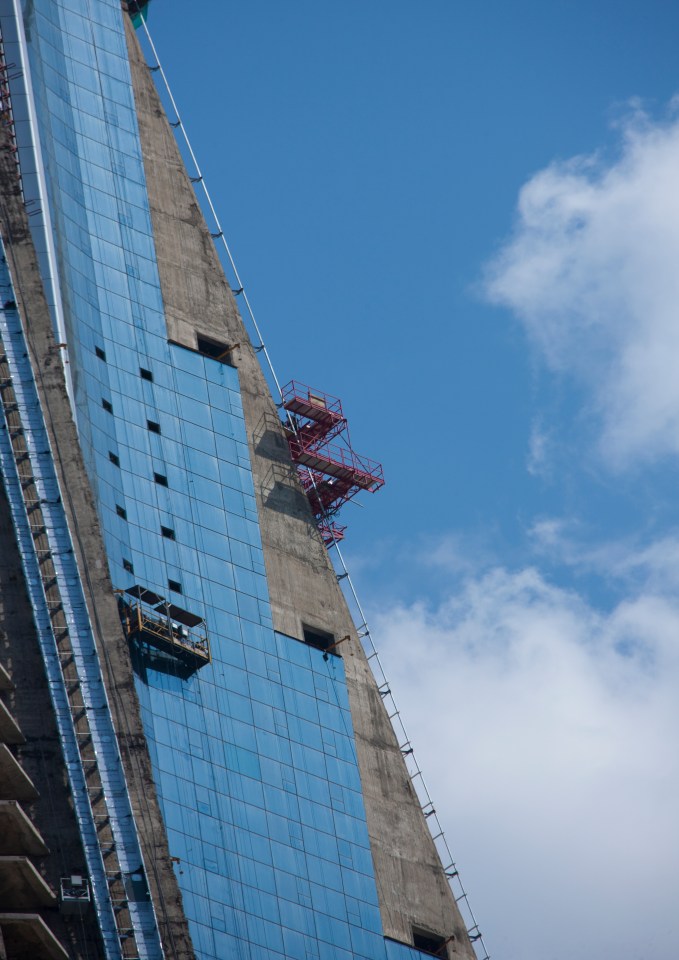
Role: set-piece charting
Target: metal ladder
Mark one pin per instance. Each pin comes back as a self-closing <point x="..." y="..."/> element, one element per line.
<point x="6" y="112"/>
<point x="96" y="776"/>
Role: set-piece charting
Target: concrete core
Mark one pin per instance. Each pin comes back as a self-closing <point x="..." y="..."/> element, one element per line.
<point x="413" y="890"/>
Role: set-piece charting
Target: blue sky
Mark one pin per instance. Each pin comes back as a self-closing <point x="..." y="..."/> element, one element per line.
<point x="464" y="221"/>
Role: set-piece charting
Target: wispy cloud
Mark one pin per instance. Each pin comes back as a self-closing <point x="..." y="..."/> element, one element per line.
<point x="591" y="272"/>
<point x="537" y="461"/>
<point x="553" y="758"/>
<point x="637" y="565"/>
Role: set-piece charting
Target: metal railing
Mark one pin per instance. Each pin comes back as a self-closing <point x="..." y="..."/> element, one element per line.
<point x="165" y="633"/>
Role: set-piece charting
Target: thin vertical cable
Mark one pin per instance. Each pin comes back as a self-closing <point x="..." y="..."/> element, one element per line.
<point x="414" y="770"/>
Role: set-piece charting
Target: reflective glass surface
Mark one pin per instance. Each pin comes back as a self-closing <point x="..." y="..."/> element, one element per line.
<point x="253" y="754"/>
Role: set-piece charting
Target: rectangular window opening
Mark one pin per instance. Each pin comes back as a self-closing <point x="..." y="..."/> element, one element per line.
<point x="319" y="639"/>
<point x="107" y="405"/>
<point x="115" y="460"/>
<point x="167" y="532"/>
<point x="216" y="349"/>
<point x="100" y="353"/>
<point x="153" y="426"/>
<point x="431" y="943"/>
<point x="160" y="479"/>
<point x="121" y="511"/>
<point x="175" y="586"/>
<point x="128" y="566"/>
<point x="145" y="374"/>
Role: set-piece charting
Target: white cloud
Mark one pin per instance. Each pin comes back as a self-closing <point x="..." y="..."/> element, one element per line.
<point x="557" y="718"/>
<point x="547" y="733"/>
<point x="538" y="459"/>
<point x="591" y="272"/>
<point x="652" y="567"/>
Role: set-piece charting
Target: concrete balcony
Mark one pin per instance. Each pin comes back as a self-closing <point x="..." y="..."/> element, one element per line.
<point x="22" y="887"/>
<point x="15" y="784"/>
<point x="9" y="729"/>
<point x="26" y="936"/>
<point x="18" y="836"/>
<point x="5" y="679"/>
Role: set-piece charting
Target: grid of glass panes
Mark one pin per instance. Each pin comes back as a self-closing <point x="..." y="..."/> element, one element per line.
<point x="253" y="754"/>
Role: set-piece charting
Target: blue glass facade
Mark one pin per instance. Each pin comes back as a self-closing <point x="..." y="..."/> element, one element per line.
<point x="253" y="754"/>
<point x="262" y="801"/>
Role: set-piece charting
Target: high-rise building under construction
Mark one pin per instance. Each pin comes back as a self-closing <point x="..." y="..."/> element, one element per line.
<point x="195" y="757"/>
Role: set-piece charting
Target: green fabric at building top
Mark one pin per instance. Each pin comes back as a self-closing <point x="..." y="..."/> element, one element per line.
<point x="138" y="12"/>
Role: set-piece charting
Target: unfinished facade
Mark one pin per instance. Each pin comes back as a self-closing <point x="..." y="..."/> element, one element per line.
<point x="195" y="758"/>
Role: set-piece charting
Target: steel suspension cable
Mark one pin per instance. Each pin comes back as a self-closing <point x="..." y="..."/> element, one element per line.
<point x="199" y="179"/>
<point x="414" y="771"/>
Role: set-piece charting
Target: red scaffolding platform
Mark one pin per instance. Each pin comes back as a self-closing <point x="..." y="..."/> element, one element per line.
<point x="331" y="532"/>
<point x="316" y="415"/>
<point x="331" y="472"/>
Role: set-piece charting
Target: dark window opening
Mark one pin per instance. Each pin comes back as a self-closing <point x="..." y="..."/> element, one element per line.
<point x="136" y="887"/>
<point x="430" y="943"/>
<point x="128" y="566"/>
<point x="319" y="638"/>
<point x="145" y="374"/>
<point x="121" y="511"/>
<point x="175" y="586"/>
<point x="153" y="426"/>
<point x="100" y="353"/>
<point x="114" y="459"/>
<point x="167" y="532"/>
<point x="107" y="405"/>
<point x="160" y="478"/>
<point x="215" y="349"/>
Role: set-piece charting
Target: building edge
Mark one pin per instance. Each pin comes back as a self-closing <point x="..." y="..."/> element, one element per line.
<point x="79" y="505"/>
<point x="414" y="894"/>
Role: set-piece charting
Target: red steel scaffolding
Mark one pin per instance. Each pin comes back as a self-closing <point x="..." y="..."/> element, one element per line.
<point x="331" y="473"/>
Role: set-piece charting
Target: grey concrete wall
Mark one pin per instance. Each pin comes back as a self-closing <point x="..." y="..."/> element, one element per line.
<point x="302" y="583"/>
<point x="89" y="549"/>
